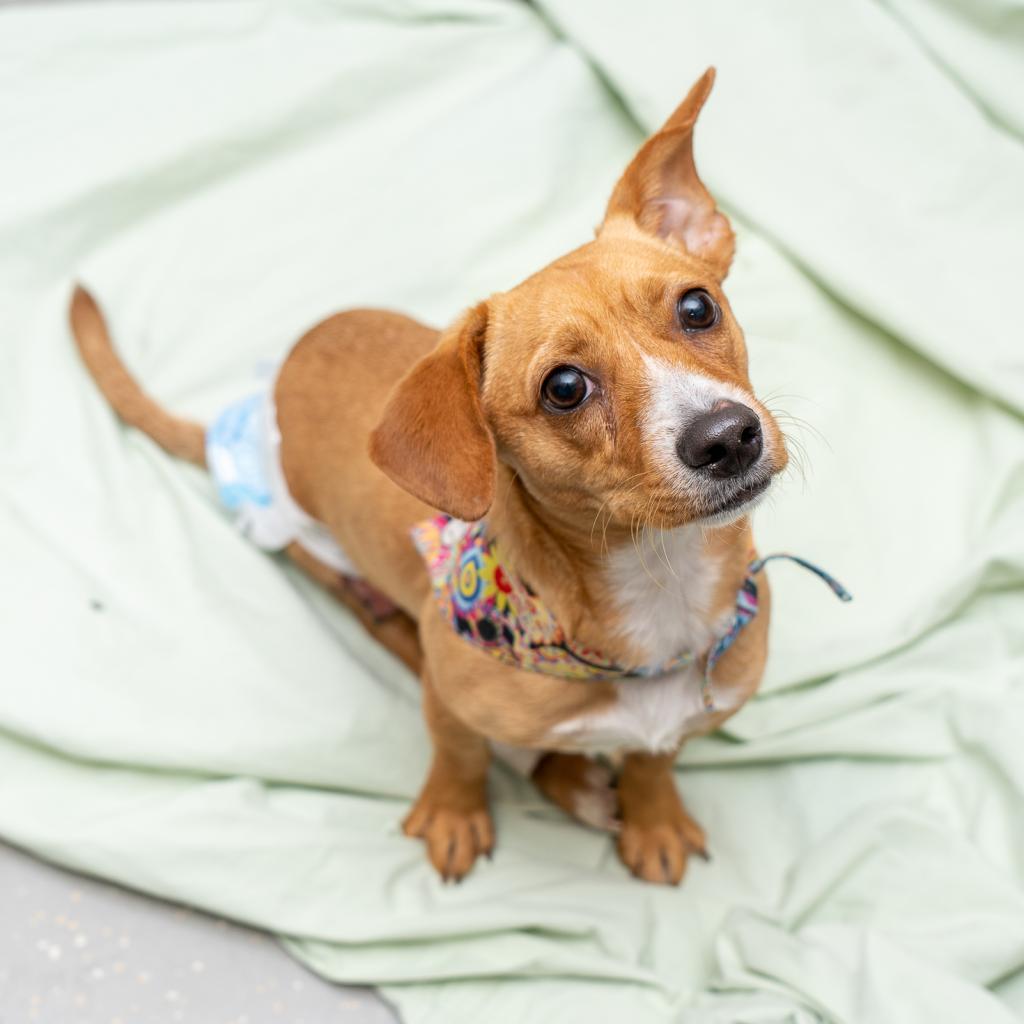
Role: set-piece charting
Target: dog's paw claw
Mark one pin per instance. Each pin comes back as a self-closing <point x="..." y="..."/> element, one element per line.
<point x="454" y="838"/>
<point x="656" y="854"/>
<point x="658" y="851"/>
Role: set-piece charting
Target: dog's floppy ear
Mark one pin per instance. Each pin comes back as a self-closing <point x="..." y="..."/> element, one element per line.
<point x="432" y="439"/>
<point x="661" y="193"/>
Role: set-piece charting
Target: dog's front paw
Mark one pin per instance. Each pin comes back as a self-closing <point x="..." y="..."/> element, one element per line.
<point x="454" y="837"/>
<point x="656" y="850"/>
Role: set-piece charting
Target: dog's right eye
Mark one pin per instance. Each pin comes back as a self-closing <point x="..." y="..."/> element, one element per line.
<point x="565" y="388"/>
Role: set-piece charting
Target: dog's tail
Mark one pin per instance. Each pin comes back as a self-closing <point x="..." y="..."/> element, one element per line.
<point x="182" y="438"/>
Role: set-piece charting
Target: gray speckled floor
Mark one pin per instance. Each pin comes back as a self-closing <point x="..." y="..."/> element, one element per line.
<point x="77" y="951"/>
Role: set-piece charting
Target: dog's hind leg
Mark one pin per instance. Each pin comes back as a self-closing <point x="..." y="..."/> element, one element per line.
<point x="582" y="787"/>
<point x="388" y="625"/>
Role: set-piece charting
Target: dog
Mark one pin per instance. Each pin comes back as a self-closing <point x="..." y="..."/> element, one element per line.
<point x="578" y="458"/>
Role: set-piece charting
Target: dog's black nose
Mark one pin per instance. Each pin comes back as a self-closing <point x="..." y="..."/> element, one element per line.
<point x="724" y="442"/>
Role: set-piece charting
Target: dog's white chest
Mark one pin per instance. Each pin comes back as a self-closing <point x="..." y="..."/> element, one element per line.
<point x="664" y="589"/>
<point x="649" y="714"/>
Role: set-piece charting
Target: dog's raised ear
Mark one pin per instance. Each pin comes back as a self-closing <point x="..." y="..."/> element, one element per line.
<point x="433" y="439"/>
<point x="661" y="193"/>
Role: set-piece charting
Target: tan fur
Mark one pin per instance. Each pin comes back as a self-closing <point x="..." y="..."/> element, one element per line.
<point x="463" y="430"/>
<point x="179" y="437"/>
<point x="657" y="834"/>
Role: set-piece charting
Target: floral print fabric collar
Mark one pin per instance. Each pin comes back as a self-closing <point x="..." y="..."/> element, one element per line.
<point x="494" y="609"/>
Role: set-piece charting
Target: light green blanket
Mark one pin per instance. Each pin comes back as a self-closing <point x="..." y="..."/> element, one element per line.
<point x="189" y="717"/>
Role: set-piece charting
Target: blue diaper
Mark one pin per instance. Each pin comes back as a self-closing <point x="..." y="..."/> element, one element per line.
<point x="244" y="458"/>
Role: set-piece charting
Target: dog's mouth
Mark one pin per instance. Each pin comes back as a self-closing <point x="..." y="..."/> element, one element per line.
<point x="742" y="499"/>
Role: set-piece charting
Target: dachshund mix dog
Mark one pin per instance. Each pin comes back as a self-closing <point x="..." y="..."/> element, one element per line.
<point x="544" y="506"/>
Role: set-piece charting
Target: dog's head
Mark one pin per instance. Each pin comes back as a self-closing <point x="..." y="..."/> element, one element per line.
<point x="613" y="379"/>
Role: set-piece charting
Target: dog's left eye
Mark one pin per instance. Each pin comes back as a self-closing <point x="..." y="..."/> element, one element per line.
<point x="697" y="311"/>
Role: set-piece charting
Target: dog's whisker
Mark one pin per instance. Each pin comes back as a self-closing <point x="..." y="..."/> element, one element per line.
<point x="609" y="497"/>
<point x="638" y="547"/>
<point x="784" y="416"/>
<point x="656" y="531"/>
<point x="797" y="454"/>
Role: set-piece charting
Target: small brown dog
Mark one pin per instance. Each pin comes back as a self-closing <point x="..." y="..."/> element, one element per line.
<point x="600" y="416"/>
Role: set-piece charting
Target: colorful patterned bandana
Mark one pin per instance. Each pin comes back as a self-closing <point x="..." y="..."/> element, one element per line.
<point x="492" y="608"/>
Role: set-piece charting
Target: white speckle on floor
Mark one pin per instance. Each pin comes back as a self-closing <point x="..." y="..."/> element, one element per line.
<point x="77" y="951"/>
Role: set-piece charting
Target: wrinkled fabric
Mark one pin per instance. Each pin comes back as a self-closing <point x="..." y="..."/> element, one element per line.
<point x="188" y="716"/>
